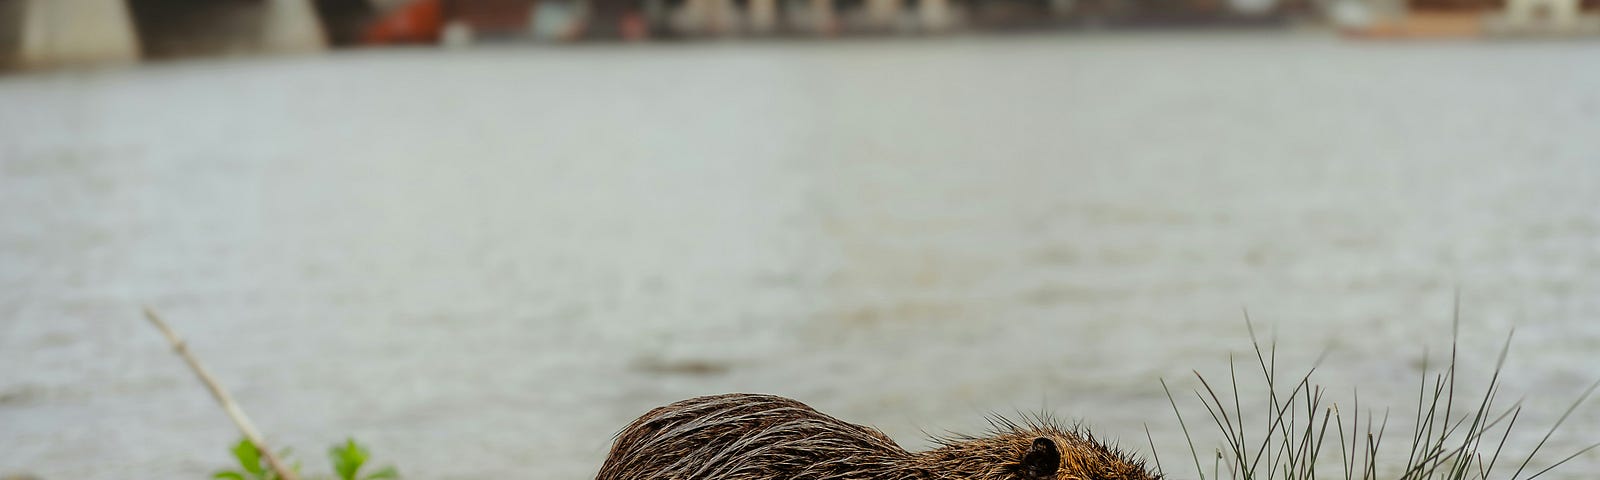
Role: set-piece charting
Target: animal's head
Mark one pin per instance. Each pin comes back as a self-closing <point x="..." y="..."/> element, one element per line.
<point x="1036" y="450"/>
<point x="1075" y="457"/>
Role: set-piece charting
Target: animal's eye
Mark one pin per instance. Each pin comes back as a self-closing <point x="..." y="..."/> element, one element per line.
<point x="1042" y="460"/>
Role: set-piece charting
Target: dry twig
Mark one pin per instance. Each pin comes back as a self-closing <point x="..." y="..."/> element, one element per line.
<point x="228" y="405"/>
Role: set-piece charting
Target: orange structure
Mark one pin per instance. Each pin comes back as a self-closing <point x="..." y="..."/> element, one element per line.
<point x="420" y="21"/>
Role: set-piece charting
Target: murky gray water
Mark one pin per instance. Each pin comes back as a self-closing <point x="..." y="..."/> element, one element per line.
<point x="485" y="263"/>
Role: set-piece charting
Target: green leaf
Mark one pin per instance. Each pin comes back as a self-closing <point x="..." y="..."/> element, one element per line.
<point x="228" y="475"/>
<point x="347" y="458"/>
<point x="383" y="473"/>
<point x="249" y="458"/>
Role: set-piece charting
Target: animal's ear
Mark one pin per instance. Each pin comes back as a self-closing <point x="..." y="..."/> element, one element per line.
<point x="1042" y="460"/>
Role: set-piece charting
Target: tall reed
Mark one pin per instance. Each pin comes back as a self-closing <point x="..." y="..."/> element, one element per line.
<point x="1292" y="442"/>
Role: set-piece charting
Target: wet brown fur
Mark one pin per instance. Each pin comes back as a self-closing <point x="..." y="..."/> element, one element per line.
<point x="765" y="437"/>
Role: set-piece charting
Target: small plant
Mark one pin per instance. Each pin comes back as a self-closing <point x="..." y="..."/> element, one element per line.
<point x="251" y="464"/>
<point x="347" y="459"/>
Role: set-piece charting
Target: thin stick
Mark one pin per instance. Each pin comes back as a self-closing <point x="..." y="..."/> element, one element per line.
<point x="228" y="405"/>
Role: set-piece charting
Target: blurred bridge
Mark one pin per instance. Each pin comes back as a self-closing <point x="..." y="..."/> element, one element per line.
<point x="49" y="33"/>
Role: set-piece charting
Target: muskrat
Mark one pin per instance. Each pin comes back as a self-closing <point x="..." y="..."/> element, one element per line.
<point x="764" y="437"/>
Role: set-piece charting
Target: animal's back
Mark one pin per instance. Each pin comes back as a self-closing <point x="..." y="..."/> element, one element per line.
<point x="763" y="437"/>
<point x="744" y="437"/>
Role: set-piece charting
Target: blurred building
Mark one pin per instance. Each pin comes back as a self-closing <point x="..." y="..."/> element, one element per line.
<point x="1474" y="18"/>
<point x="443" y="20"/>
<point x="45" y="33"/>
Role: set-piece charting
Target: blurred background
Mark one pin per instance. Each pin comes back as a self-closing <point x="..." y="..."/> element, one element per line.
<point x="482" y="236"/>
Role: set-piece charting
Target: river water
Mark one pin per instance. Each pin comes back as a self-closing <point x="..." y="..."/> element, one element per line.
<point x="484" y="263"/>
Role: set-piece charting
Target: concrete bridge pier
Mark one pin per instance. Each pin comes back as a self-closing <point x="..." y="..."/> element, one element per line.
<point x="935" y="15"/>
<point x="824" y="21"/>
<point x="55" y="33"/>
<point x="883" y="14"/>
<point x="707" y="17"/>
<point x="763" y="16"/>
<point x="291" y="26"/>
<point x="1555" y="14"/>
